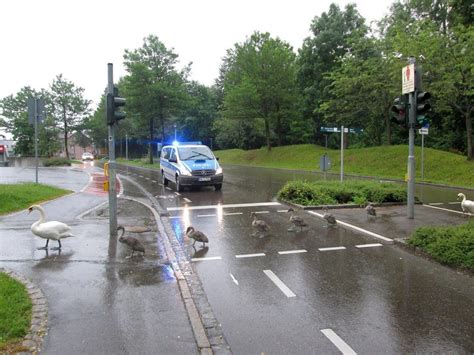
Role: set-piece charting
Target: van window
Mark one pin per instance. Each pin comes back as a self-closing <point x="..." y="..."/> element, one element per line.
<point x="165" y="153"/>
<point x="173" y="154"/>
<point x="195" y="153"/>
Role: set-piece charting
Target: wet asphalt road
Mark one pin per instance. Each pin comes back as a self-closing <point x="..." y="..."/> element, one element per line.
<point x="324" y="289"/>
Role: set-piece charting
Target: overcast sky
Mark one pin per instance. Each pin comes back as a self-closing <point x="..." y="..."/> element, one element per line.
<point x="41" y="39"/>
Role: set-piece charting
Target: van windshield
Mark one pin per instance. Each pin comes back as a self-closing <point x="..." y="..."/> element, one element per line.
<point x="195" y="153"/>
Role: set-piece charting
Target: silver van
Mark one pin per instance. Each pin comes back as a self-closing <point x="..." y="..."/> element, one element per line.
<point x="190" y="165"/>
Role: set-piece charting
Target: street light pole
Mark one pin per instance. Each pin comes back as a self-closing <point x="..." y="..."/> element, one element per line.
<point x="175" y="132"/>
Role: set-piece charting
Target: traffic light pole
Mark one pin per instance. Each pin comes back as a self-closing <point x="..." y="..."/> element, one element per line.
<point x="112" y="182"/>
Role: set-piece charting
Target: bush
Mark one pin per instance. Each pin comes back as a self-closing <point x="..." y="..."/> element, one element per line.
<point x="57" y="162"/>
<point x="333" y="192"/>
<point x="448" y="245"/>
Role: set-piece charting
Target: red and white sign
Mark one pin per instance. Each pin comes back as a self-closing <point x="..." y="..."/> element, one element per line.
<point x="408" y="79"/>
<point x="2" y="148"/>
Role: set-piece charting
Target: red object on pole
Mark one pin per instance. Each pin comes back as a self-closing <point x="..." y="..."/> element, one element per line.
<point x="2" y="148"/>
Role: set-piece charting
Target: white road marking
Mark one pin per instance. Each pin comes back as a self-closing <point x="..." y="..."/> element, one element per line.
<point x="282" y="211"/>
<point x="232" y="213"/>
<point x="187" y="200"/>
<point x="206" y="215"/>
<point x="369" y="245"/>
<point x="140" y="176"/>
<point x="225" y="206"/>
<point x="336" y="340"/>
<point x="276" y="280"/>
<point x="168" y="188"/>
<point x="292" y="251"/>
<point x="447" y="209"/>
<point x="174" y="217"/>
<point x="234" y="279"/>
<point x="154" y="181"/>
<point x="260" y="212"/>
<point x="436" y="203"/>
<point x="331" y="248"/>
<point x="249" y="255"/>
<point x="177" y="194"/>
<point x="147" y="178"/>
<point x="207" y="258"/>
<point x="372" y="234"/>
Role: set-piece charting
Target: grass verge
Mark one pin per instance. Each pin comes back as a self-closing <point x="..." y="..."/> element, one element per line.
<point x="144" y="163"/>
<point x="334" y="192"/>
<point x="15" y="312"/>
<point x="452" y="246"/>
<point x="16" y="197"/>
<point x="383" y="162"/>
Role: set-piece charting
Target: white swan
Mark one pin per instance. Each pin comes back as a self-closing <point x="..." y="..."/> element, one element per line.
<point x="466" y="205"/>
<point x="49" y="230"/>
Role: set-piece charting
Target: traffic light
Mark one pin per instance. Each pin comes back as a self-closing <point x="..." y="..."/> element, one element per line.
<point x="399" y="110"/>
<point x="114" y="102"/>
<point x="422" y="107"/>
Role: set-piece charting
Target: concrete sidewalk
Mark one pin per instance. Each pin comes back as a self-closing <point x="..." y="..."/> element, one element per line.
<point x="98" y="299"/>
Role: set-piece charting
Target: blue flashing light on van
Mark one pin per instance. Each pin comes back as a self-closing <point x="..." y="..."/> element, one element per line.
<point x="190" y="164"/>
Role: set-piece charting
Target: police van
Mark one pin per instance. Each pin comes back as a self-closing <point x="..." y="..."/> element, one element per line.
<point x="190" y="164"/>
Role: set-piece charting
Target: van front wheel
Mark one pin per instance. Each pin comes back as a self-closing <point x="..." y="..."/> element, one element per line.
<point x="164" y="180"/>
<point x="179" y="187"/>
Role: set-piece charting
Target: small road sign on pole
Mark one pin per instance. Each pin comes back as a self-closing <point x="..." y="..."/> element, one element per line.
<point x="408" y="79"/>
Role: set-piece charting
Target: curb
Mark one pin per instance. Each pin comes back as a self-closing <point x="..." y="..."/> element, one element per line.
<point x="192" y="309"/>
<point x="39" y="314"/>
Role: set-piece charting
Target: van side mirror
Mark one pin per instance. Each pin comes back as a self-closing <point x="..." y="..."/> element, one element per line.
<point x="217" y="158"/>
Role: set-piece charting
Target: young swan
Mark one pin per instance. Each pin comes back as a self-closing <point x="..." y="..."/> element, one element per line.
<point x="329" y="217"/>
<point x="132" y="242"/>
<point x="261" y="226"/>
<point x="296" y="220"/>
<point x="197" y="236"/>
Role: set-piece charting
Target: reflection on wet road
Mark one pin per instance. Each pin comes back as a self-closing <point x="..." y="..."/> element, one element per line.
<point x="323" y="289"/>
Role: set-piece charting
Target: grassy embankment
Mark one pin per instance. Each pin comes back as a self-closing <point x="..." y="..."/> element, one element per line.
<point x="15" y="314"/>
<point x="16" y="197"/>
<point x="383" y="162"/>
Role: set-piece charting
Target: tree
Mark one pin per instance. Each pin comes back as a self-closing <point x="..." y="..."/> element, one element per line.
<point x="260" y="83"/>
<point x="15" y="111"/>
<point x="154" y="87"/>
<point x="67" y="106"/>
<point x="334" y="34"/>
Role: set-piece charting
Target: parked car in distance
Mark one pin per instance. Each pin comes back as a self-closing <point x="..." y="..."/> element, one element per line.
<point x="87" y="156"/>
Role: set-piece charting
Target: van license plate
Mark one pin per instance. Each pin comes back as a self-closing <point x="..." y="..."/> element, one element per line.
<point x="205" y="179"/>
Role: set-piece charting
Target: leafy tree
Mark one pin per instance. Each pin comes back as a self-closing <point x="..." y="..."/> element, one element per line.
<point x="260" y="83"/>
<point x="15" y="111"/>
<point x="154" y="88"/>
<point x="67" y="106"/>
<point x="334" y="34"/>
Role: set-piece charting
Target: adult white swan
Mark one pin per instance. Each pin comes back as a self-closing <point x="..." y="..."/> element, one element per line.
<point x="49" y="230"/>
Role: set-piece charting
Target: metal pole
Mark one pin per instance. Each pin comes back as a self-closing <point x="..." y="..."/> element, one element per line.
<point x="411" y="151"/>
<point x="342" y="153"/>
<point x="126" y="147"/>
<point x="422" y="156"/>
<point x="112" y="182"/>
<point x="36" y="138"/>
<point x="175" y="133"/>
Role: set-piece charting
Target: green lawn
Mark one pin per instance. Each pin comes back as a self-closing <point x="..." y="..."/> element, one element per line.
<point x="16" y="197"/>
<point x="15" y="312"/>
<point x="384" y="162"/>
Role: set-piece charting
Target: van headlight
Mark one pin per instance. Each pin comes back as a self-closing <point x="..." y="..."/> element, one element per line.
<point x="185" y="172"/>
<point x="219" y="171"/>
